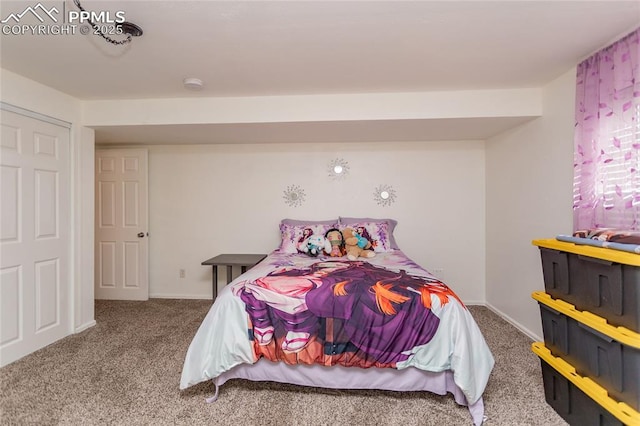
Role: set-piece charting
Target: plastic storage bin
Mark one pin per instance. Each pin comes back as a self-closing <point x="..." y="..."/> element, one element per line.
<point x="608" y="355"/>
<point x="603" y="281"/>
<point x="579" y="400"/>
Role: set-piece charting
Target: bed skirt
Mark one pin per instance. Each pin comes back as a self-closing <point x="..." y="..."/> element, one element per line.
<point x="339" y="377"/>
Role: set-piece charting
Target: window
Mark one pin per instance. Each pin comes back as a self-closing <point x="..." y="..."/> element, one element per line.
<point x="607" y="138"/>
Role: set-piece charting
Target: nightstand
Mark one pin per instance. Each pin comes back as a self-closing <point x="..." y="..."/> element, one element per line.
<point x="245" y="261"/>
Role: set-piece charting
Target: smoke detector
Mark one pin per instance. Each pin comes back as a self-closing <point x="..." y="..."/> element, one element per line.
<point x="192" y="83"/>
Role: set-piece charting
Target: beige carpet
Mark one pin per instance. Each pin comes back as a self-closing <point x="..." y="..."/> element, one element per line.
<point x="126" y="371"/>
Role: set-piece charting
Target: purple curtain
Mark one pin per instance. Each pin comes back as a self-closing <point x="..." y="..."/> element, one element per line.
<point x="606" y="189"/>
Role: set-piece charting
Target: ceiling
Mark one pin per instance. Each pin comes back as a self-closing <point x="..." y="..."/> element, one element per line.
<point x="263" y="48"/>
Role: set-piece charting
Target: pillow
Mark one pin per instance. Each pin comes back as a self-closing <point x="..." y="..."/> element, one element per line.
<point x="294" y="232"/>
<point x="310" y="222"/>
<point x="380" y="231"/>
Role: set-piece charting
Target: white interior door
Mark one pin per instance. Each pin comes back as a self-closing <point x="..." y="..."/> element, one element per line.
<point x="34" y="235"/>
<point x="122" y="217"/>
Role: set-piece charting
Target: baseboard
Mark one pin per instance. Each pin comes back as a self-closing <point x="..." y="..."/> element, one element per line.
<point x="84" y="326"/>
<point x="514" y="323"/>
<point x="179" y="296"/>
<point x="474" y="302"/>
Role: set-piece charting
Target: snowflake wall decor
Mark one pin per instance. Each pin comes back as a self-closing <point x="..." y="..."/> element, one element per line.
<point x="294" y="195"/>
<point x="338" y="168"/>
<point x="384" y="195"/>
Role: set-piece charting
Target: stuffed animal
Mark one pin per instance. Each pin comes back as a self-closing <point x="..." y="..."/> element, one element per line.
<point x="362" y="241"/>
<point x="352" y="242"/>
<point x="315" y="245"/>
<point x="334" y="237"/>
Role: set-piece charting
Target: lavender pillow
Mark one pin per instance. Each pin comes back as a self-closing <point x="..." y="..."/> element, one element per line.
<point x="293" y="232"/>
<point x="310" y="222"/>
<point x="378" y="229"/>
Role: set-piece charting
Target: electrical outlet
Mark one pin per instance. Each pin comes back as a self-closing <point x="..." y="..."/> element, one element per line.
<point x="183" y="273"/>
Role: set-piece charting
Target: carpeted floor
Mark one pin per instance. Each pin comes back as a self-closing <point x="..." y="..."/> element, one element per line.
<point x="126" y="371"/>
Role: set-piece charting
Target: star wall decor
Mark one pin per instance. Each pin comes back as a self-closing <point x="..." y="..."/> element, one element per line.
<point x="384" y="195"/>
<point x="338" y="168"/>
<point x="294" y="195"/>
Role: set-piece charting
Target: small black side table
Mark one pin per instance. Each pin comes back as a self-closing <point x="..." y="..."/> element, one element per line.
<point x="245" y="261"/>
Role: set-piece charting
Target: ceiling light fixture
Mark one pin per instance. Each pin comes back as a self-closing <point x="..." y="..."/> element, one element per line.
<point x="192" y="83"/>
<point x="125" y="28"/>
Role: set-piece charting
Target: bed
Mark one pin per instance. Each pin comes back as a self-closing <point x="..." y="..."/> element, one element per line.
<point x="382" y="322"/>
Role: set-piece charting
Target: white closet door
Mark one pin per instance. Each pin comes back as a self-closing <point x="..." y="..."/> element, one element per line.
<point x="34" y="235"/>
<point x="122" y="249"/>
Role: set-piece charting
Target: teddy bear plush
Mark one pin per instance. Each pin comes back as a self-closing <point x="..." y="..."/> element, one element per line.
<point x="356" y="245"/>
<point x="334" y="236"/>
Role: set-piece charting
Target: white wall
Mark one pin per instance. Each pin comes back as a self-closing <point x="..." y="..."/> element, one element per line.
<point x="448" y="105"/>
<point x="83" y="218"/>
<point x="529" y="196"/>
<point x="211" y="199"/>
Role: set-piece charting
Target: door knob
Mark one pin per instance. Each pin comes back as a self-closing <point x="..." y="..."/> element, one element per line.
<point x="140" y="234"/>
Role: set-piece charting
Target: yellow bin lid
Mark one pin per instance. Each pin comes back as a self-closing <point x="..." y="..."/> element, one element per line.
<point x="611" y="255"/>
<point x="619" y="410"/>
<point x="620" y="334"/>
